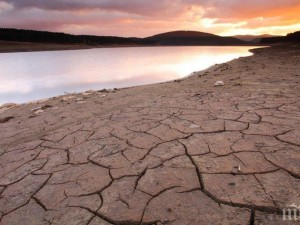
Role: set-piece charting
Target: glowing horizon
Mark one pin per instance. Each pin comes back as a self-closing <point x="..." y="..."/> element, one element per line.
<point x="140" y="18"/>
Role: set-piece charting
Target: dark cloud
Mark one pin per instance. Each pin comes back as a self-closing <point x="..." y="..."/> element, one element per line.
<point x="141" y="7"/>
<point x="215" y="7"/>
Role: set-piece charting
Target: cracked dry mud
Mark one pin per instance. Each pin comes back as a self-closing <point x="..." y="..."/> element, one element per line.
<point x="179" y="153"/>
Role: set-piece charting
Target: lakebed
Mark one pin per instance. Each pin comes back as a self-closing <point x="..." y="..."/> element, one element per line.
<point x="212" y="155"/>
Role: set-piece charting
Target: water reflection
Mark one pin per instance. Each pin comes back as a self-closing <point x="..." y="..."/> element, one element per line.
<point x="34" y="75"/>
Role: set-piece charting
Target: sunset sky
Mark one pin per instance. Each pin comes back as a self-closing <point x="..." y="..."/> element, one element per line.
<point x="144" y="18"/>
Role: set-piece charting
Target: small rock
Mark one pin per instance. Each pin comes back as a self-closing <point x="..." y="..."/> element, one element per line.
<point x="6" y="119"/>
<point x="46" y="107"/>
<point x="35" y="109"/>
<point x="39" y="111"/>
<point x="231" y="184"/>
<point x="102" y="96"/>
<point x="194" y="126"/>
<point x="219" y="83"/>
<point x="79" y="99"/>
<point x="104" y="91"/>
<point x="239" y="169"/>
<point x="67" y="98"/>
<point x="8" y="105"/>
<point x="89" y="92"/>
<point x="41" y="100"/>
<point x="237" y="84"/>
<point x="41" y="107"/>
<point x="32" y="102"/>
<point x="81" y="102"/>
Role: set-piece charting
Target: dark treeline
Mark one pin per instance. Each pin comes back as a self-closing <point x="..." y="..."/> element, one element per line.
<point x="293" y="37"/>
<point x="176" y="38"/>
<point x="19" y="35"/>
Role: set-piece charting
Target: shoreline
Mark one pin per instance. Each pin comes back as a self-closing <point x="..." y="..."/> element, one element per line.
<point x="15" y="47"/>
<point x="195" y="73"/>
<point x="193" y="76"/>
<point x="87" y="94"/>
<point x="195" y="146"/>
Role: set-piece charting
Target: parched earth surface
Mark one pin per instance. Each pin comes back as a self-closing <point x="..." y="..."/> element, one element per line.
<point x="179" y="153"/>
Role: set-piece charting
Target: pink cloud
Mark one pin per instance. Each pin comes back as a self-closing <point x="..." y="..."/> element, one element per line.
<point x="143" y="18"/>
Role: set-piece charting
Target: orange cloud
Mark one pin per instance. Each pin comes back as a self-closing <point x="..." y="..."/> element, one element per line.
<point x="144" y="18"/>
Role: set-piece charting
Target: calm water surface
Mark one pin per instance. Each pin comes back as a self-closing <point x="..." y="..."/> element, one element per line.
<point x="35" y="75"/>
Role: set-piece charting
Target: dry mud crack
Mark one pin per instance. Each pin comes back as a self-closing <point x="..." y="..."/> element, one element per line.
<point x="173" y="153"/>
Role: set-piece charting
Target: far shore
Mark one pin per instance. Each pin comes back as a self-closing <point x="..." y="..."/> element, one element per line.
<point x="10" y="47"/>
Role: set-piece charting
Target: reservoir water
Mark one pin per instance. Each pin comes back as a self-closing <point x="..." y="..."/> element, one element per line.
<point x="27" y="76"/>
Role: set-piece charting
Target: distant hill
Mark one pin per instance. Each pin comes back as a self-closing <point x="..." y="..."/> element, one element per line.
<point x="174" y="38"/>
<point x="253" y="38"/>
<point x="178" y="38"/>
<point x="182" y="34"/>
<point x="292" y="37"/>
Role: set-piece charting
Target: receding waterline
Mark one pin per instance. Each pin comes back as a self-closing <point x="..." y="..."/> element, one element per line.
<point x="28" y="76"/>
